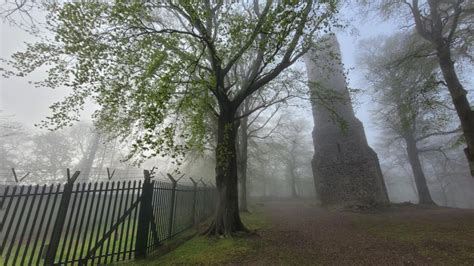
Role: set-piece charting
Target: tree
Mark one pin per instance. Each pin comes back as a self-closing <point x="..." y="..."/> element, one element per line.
<point x="448" y="173"/>
<point x="294" y="151"/>
<point x="156" y="68"/>
<point x="255" y="125"/>
<point x="13" y="140"/>
<point x="411" y="105"/>
<point x="280" y="152"/>
<point x="447" y="25"/>
<point x="87" y="161"/>
<point x="51" y="154"/>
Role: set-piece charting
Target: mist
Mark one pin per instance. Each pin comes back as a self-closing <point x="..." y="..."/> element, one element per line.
<point x="169" y="118"/>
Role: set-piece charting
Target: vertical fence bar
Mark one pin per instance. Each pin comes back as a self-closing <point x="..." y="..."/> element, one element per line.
<point x="100" y="223"/>
<point x="156" y="206"/>
<point x="112" y="222"/>
<point x="144" y="217"/>
<point x="17" y="227"/>
<point x="59" y="224"/>
<point x="119" y="211"/>
<point x="25" y="226"/>
<point x="4" y="196"/>
<point x="160" y="207"/>
<point x="172" y="207"/>
<point x="89" y="215"/>
<point x="106" y="217"/>
<point x="48" y="223"/>
<point x="205" y="199"/>
<point x="152" y="220"/>
<point x="80" y="191"/>
<point x="40" y="226"/>
<point x="127" y="220"/>
<point x="33" y="224"/>
<point x="83" y="215"/>
<point x="94" y="224"/>
<point x="194" y="200"/>
<point x="15" y="209"/>
<point x="60" y="219"/>
<point x="135" y="217"/>
<point x="64" y="239"/>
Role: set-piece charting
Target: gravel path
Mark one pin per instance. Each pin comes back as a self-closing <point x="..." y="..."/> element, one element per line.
<point x="303" y="234"/>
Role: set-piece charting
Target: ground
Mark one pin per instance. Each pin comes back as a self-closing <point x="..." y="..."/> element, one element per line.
<point x="300" y="233"/>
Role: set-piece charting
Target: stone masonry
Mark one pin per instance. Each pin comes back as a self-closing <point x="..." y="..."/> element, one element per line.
<point x="346" y="170"/>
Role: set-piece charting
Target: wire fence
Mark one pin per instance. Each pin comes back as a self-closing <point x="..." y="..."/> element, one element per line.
<point x="12" y="176"/>
<point x="96" y="222"/>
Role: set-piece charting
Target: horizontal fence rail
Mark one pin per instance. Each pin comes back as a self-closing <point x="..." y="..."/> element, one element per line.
<point x="96" y="222"/>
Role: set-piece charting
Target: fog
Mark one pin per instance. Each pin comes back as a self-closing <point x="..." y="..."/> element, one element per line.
<point x="45" y="155"/>
<point x="237" y="132"/>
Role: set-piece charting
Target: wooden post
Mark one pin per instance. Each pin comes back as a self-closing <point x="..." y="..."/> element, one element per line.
<point x="144" y="217"/>
<point x="194" y="200"/>
<point x="60" y="219"/>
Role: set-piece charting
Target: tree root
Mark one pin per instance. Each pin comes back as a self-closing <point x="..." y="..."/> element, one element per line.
<point x="237" y="229"/>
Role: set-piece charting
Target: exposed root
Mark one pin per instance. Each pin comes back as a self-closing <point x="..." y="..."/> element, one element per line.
<point x="218" y="230"/>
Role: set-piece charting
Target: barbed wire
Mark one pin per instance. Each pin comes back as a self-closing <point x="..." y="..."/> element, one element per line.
<point x="36" y="176"/>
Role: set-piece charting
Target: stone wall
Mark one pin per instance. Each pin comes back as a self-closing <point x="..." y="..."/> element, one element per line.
<point x="346" y="170"/>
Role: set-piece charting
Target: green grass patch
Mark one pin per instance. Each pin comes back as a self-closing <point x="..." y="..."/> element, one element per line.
<point x="203" y="250"/>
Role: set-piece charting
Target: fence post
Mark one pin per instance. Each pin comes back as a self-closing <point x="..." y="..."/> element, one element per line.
<point x="60" y="218"/>
<point x="18" y="180"/>
<point x="206" y="198"/>
<point x="174" y="182"/>
<point x="144" y="217"/>
<point x="194" y="200"/>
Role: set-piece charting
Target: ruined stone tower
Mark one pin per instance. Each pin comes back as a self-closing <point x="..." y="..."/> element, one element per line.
<point x="346" y="170"/>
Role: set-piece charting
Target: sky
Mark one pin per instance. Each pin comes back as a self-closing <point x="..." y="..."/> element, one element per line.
<point x="22" y="102"/>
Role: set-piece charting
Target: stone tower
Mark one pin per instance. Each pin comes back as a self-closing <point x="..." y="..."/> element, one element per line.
<point x="346" y="170"/>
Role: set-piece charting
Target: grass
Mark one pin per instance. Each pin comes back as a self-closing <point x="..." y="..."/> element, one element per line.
<point x="203" y="250"/>
<point x="81" y="244"/>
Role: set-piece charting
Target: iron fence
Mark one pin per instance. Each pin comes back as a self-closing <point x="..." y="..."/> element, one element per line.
<point x="97" y="222"/>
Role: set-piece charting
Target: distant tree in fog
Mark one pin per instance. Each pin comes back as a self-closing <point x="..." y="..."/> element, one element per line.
<point x="411" y="106"/>
<point x="283" y="156"/>
<point x="295" y="152"/>
<point x="13" y="149"/>
<point x="448" y="27"/>
<point x="51" y="154"/>
<point x="262" y="124"/>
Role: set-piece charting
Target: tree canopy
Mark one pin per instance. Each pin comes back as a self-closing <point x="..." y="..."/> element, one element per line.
<point x="156" y="69"/>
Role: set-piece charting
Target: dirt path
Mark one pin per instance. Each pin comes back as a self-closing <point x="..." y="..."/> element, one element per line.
<point x="303" y="234"/>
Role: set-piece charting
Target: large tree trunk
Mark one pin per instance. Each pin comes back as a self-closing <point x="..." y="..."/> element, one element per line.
<point x="460" y="101"/>
<point x="420" y="179"/>
<point x="227" y="218"/>
<point x="243" y="159"/>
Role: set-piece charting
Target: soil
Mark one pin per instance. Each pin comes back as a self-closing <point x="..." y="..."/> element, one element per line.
<point x="303" y="234"/>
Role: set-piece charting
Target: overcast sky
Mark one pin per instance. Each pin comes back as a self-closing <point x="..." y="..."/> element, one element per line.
<point x="24" y="103"/>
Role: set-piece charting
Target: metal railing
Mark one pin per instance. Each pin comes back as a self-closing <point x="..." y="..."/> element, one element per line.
<point x="96" y="222"/>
